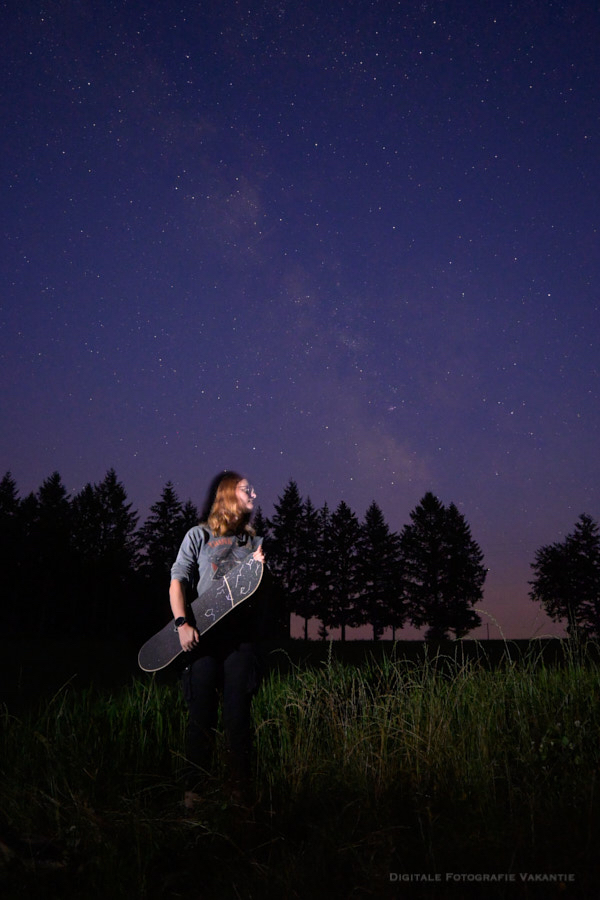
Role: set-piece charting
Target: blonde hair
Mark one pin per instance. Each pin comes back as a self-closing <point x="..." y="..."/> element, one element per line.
<point x="225" y="513"/>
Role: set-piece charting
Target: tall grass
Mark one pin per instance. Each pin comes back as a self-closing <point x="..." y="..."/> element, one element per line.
<point x="391" y="766"/>
<point x="441" y="726"/>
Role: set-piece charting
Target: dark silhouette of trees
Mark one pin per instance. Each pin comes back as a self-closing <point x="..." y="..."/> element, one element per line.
<point x="9" y="504"/>
<point x="567" y="579"/>
<point x="11" y="553"/>
<point x="48" y="568"/>
<point x="161" y="535"/>
<point x="306" y="600"/>
<point x="323" y="567"/>
<point x="105" y="552"/>
<point x="82" y="567"/>
<point x="72" y="563"/>
<point x="338" y="607"/>
<point x="277" y="606"/>
<point x="159" y="540"/>
<point x="191" y="516"/>
<point x="261" y="526"/>
<point x="378" y="571"/>
<point x="285" y="527"/>
<point x="285" y="545"/>
<point x="443" y="575"/>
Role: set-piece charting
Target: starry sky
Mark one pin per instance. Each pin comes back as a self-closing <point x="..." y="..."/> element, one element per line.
<point x="355" y="244"/>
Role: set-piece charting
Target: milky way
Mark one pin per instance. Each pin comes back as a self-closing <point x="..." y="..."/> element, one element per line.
<point x="355" y="246"/>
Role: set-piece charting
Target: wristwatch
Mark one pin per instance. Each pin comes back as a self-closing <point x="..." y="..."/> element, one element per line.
<point x="181" y="620"/>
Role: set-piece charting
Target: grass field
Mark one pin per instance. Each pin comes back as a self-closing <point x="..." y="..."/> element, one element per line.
<point x="432" y="777"/>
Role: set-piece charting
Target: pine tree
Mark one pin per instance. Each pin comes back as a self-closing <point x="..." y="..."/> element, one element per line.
<point x="464" y="576"/>
<point x="190" y="516"/>
<point x="28" y="516"/>
<point x="9" y="499"/>
<point x="278" y="611"/>
<point x="339" y="607"/>
<point x="161" y="535"/>
<point x="308" y="561"/>
<point x="322" y="568"/>
<point x="159" y="540"/>
<point x="118" y="535"/>
<point x="261" y="526"/>
<point x="567" y="579"/>
<point x="285" y="543"/>
<point x="49" y="541"/>
<point x="105" y="549"/>
<point x="380" y="601"/>
<point x="443" y="575"/>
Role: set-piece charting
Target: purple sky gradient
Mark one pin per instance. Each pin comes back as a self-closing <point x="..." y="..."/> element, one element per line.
<point x="354" y="245"/>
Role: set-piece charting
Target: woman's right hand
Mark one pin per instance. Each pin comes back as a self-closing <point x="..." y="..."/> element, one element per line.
<point x="188" y="637"/>
<point x="259" y="554"/>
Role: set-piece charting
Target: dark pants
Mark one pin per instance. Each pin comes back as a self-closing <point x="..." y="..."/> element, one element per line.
<point x="236" y="675"/>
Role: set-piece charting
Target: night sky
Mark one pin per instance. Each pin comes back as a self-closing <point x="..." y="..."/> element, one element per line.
<point x="355" y="244"/>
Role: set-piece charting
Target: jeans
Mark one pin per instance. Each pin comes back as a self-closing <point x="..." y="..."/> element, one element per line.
<point x="235" y="674"/>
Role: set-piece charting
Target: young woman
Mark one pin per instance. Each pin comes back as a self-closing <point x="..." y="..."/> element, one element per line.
<point x="225" y="659"/>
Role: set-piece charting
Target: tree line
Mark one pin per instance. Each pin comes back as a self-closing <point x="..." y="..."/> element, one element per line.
<point x="84" y="566"/>
<point x="344" y="572"/>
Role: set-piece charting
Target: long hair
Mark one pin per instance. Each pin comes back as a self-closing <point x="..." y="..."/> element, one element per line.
<point x="225" y="513"/>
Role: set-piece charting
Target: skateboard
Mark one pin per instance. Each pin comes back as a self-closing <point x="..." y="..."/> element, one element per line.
<point x="223" y="595"/>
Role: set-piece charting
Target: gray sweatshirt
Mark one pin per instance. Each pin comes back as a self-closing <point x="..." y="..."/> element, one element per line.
<point x="203" y="557"/>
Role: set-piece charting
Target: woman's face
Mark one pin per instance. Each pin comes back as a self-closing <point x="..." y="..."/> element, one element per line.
<point x="245" y="495"/>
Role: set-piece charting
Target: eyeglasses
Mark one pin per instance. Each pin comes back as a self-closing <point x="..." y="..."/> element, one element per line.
<point x="248" y="489"/>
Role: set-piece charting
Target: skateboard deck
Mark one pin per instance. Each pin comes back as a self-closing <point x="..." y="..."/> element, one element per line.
<point x="223" y="595"/>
